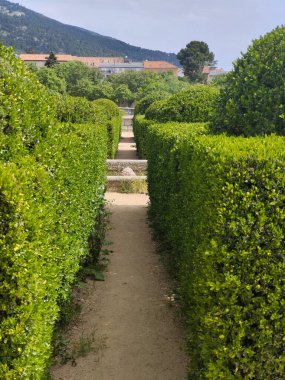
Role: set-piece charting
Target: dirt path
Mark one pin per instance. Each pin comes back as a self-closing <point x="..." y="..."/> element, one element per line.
<point x="129" y="314"/>
<point x="127" y="147"/>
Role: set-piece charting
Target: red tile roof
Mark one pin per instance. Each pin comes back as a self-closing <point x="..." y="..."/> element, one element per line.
<point x="159" y="65"/>
<point x="67" y="57"/>
<point x="101" y="59"/>
<point x="206" y="70"/>
<point x="43" y="57"/>
<point x="209" y="70"/>
<point x="216" y="71"/>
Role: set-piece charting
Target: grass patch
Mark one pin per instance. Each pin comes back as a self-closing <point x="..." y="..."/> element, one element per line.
<point x="135" y="186"/>
<point x="88" y="343"/>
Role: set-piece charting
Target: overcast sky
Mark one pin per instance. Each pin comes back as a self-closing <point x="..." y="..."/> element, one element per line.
<point x="227" y="26"/>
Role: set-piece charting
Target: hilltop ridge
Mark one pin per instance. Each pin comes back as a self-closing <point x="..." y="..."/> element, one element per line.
<point x="29" y="31"/>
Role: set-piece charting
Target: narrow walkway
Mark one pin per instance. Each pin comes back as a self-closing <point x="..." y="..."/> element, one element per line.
<point x="127" y="148"/>
<point x="130" y="314"/>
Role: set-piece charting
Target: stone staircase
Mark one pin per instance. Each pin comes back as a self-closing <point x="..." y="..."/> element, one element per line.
<point x="127" y="173"/>
<point x="115" y="167"/>
<point x="127" y="123"/>
<point x="127" y="118"/>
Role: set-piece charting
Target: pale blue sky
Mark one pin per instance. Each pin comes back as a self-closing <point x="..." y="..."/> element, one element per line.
<point x="227" y="26"/>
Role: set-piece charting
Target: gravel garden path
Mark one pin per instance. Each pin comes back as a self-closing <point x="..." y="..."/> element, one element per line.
<point x="128" y="322"/>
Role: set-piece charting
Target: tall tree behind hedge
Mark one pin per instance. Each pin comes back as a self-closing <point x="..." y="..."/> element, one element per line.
<point x="252" y="101"/>
<point x="80" y="79"/>
<point x="193" y="58"/>
<point x="51" y="60"/>
<point x="49" y="79"/>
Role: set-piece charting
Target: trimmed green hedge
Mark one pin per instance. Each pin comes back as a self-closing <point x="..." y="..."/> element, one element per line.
<point x="52" y="182"/>
<point x="190" y="106"/>
<point x="140" y="125"/>
<point x="252" y="100"/>
<point x="26" y="111"/>
<point x="218" y="203"/>
<point x="114" y="124"/>
<point x="29" y="280"/>
<point x="48" y="209"/>
<point x="101" y="111"/>
<point x="162" y="142"/>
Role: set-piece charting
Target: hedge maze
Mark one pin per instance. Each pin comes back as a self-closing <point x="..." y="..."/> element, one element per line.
<point x="216" y="180"/>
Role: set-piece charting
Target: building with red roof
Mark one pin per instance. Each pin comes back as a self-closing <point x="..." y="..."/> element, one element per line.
<point x="107" y="65"/>
<point x="160" y="67"/>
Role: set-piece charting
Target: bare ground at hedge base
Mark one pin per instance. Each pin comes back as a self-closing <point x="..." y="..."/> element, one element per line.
<point x="129" y="316"/>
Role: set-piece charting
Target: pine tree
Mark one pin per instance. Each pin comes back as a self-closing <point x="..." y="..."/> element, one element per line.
<point x="51" y="60"/>
<point x="193" y="58"/>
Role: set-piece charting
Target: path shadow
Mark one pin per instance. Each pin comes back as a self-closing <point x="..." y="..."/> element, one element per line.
<point x="126" y="155"/>
<point x="127" y="140"/>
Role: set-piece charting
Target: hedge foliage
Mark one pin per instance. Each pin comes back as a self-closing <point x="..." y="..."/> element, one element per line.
<point x="101" y="111"/>
<point x="162" y="144"/>
<point x="25" y="108"/>
<point x="190" y="106"/>
<point x="252" y="100"/>
<point x="140" y="125"/>
<point x="114" y="123"/>
<point x="218" y="203"/>
<point x="52" y="180"/>
<point x="48" y="208"/>
<point x="143" y="104"/>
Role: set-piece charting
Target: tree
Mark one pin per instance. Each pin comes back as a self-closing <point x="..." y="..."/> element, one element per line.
<point x="84" y="88"/>
<point x="32" y="66"/>
<point x="193" y="58"/>
<point x="103" y="90"/>
<point x="252" y="100"/>
<point x="49" y="79"/>
<point x="123" y="95"/>
<point x="51" y="60"/>
<point x="135" y="80"/>
<point x="76" y="75"/>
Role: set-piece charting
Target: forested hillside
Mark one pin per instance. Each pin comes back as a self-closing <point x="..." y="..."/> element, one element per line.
<point x="30" y="31"/>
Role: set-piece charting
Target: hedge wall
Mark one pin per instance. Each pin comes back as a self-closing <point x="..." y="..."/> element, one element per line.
<point x="48" y="204"/>
<point x="101" y="111"/>
<point x="162" y="142"/>
<point x="26" y="111"/>
<point x="140" y="125"/>
<point x="219" y="204"/>
<point x="52" y="180"/>
<point x="114" y="123"/>
<point x="190" y="106"/>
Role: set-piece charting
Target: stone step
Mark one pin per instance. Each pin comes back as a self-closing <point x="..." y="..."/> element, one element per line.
<point x="127" y="184"/>
<point x="128" y="128"/>
<point x="128" y="110"/>
<point x="128" y="120"/>
<point x="115" y="167"/>
<point x="127" y="123"/>
<point x="127" y="178"/>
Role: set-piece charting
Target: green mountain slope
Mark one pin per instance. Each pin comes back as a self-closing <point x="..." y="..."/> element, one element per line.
<point x="27" y="30"/>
